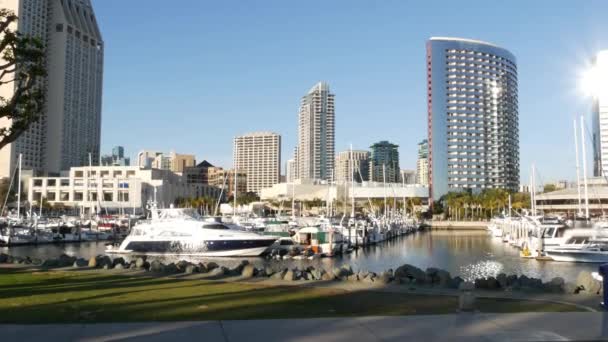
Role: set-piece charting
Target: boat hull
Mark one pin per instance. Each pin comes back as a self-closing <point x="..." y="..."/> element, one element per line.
<point x="578" y="256"/>
<point x="213" y="248"/>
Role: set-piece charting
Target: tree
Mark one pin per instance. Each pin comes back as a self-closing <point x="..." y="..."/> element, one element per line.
<point x="549" y="188"/>
<point x="23" y="66"/>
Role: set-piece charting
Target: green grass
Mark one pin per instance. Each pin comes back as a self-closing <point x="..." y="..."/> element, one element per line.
<point x="89" y="296"/>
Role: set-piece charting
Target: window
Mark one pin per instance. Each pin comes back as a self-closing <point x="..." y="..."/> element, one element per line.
<point x="215" y="226"/>
<point x="59" y="28"/>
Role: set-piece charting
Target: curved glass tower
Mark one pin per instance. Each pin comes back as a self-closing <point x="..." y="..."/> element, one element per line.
<point x="472" y="116"/>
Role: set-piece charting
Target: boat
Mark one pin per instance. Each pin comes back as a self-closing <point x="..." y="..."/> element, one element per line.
<point x="184" y="232"/>
<point x="591" y="253"/>
<point x="322" y="240"/>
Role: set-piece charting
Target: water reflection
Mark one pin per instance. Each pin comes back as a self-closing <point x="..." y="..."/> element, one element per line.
<point x="469" y="254"/>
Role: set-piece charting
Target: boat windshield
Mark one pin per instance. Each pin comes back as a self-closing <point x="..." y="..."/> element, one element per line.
<point x="178" y="213"/>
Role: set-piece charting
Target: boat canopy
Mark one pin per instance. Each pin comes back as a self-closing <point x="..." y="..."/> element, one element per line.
<point x="178" y="213"/>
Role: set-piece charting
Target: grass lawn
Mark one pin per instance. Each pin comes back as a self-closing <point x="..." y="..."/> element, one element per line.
<point x="92" y="296"/>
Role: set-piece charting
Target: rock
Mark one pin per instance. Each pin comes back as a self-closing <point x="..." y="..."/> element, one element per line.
<point x="555" y="285"/>
<point x="431" y="274"/>
<point x="103" y="260"/>
<point x="212" y="265"/>
<point x="492" y="283"/>
<point x="481" y="283"/>
<point x="411" y="272"/>
<point x="512" y="280"/>
<point x="140" y="262"/>
<point x="279" y="275"/>
<point x="156" y="266"/>
<point x="9" y="259"/>
<point x="347" y="270"/>
<point x="571" y="288"/>
<point x="18" y="260"/>
<point x="66" y="260"/>
<point x="202" y="268"/>
<point x="27" y="260"/>
<point x="326" y="276"/>
<point x="502" y="280"/>
<point x="171" y="269"/>
<point x="133" y="266"/>
<point x="466" y="286"/>
<point x="443" y="278"/>
<point x="119" y="266"/>
<point x="289" y="275"/>
<point x="268" y="271"/>
<point x="385" y="278"/>
<point x="118" y="261"/>
<point x="353" y="277"/>
<point x="3" y="258"/>
<point x="588" y="284"/>
<point x="107" y="267"/>
<point x="191" y="269"/>
<point x="36" y="262"/>
<point x="182" y="264"/>
<point x="370" y="278"/>
<point x="248" y="271"/>
<point x="80" y="262"/>
<point x="455" y="282"/>
<point x="219" y="271"/>
<point x="52" y="262"/>
<point x="93" y="262"/>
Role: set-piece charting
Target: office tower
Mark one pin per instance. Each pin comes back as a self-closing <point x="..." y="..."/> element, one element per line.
<point x="422" y="164"/>
<point x="259" y="155"/>
<point x="290" y="171"/>
<point x="179" y="162"/>
<point x="598" y="80"/>
<point x="70" y="124"/>
<point x="315" y="151"/>
<point x="145" y="158"/>
<point x="359" y="166"/>
<point x="117" y="158"/>
<point x="384" y="162"/>
<point x="472" y="116"/>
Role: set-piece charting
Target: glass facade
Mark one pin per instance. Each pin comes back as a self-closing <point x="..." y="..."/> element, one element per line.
<point x="472" y="116"/>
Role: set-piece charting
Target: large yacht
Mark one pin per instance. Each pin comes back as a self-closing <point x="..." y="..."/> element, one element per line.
<point x="184" y="232"/>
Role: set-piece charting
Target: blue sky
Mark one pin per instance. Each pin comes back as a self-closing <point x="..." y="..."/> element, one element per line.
<point x="191" y="75"/>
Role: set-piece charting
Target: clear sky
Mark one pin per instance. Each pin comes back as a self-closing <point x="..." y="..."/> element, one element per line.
<point x="189" y="75"/>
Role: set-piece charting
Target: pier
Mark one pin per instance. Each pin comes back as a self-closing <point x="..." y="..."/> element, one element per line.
<point x="459" y="225"/>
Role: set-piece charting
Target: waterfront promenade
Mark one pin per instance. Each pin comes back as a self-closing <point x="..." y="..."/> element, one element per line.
<point x="454" y="327"/>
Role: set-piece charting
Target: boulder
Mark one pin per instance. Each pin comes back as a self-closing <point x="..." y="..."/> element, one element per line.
<point x="502" y="280"/>
<point x="481" y="283"/>
<point x="133" y="266"/>
<point x="279" y="275"/>
<point x="443" y="278"/>
<point x="353" y="277"/>
<point x="289" y="275"/>
<point x="118" y="261"/>
<point x="52" y="262"/>
<point x="455" y="282"/>
<point x="212" y="265"/>
<point x="492" y="283"/>
<point x="385" y="278"/>
<point x="191" y="269"/>
<point x="182" y="264"/>
<point x="156" y="266"/>
<point x="140" y="262"/>
<point x="18" y="260"/>
<point x="171" y="269"/>
<point x="371" y="278"/>
<point x="93" y="262"/>
<point x="66" y="260"/>
<point x="571" y="288"/>
<point x="431" y="275"/>
<point x="9" y="259"/>
<point x="119" y="266"/>
<point x="248" y="271"/>
<point x="103" y="260"/>
<point x="107" y="267"/>
<point x="80" y="262"/>
<point x="555" y="285"/>
<point x="36" y="261"/>
<point x="512" y="280"/>
<point x="202" y="268"/>
<point x="412" y="272"/>
<point x="27" y="260"/>
<point x="3" y="258"/>
<point x="268" y="271"/>
<point x="587" y="283"/>
<point x="326" y="276"/>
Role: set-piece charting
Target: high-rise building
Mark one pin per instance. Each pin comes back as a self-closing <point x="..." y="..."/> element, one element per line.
<point x="359" y="168"/>
<point x="472" y="116"/>
<point x="599" y="120"/>
<point x="145" y="158"/>
<point x="316" y="133"/>
<point x="117" y="158"/>
<point x="179" y="162"/>
<point x="384" y="162"/>
<point x="259" y="155"/>
<point x="408" y="176"/>
<point x="422" y="164"/>
<point x="290" y="171"/>
<point x="69" y="127"/>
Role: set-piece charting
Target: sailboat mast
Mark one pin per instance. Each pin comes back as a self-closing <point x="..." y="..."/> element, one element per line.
<point x="584" y="167"/>
<point x="19" y="190"/>
<point x="384" y="186"/>
<point x="352" y="182"/>
<point x="578" y="176"/>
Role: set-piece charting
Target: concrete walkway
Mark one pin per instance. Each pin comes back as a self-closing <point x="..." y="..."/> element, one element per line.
<point x="456" y="327"/>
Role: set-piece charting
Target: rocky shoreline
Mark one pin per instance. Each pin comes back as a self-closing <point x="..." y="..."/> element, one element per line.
<point x="408" y="275"/>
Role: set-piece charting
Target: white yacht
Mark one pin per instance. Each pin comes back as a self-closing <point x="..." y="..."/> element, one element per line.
<point x="591" y="252"/>
<point x="184" y="232"/>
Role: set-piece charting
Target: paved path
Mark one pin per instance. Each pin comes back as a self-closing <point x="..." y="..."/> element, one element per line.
<point x="456" y="327"/>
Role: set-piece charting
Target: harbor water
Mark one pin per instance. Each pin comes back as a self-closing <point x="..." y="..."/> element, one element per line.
<point x="469" y="254"/>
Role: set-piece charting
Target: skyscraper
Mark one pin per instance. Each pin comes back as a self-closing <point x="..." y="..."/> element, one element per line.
<point x="316" y="146"/>
<point x="422" y="164"/>
<point x="290" y="171"/>
<point x="473" y="129"/>
<point x="599" y="120"/>
<point x="384" y="162"/>
<point x="70" y="125"/>
<point x="259" y="155"/>
<point x="359" y="167"/>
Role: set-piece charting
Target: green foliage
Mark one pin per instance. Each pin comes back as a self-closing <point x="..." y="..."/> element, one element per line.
<point x="466" y="205"/>
<point x="23" y="67"/>
<point x="549" y="188"/>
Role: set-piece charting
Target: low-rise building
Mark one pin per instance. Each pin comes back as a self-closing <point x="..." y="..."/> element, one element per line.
<point x="567" y="200"/>
<point x="224" y="179"/>
<point x="114" y="187"/>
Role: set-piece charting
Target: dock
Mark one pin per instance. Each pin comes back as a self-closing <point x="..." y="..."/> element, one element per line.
<point x="458" y="225"/>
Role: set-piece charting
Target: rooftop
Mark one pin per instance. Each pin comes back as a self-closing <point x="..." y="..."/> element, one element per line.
<point x="465" y="40"/>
